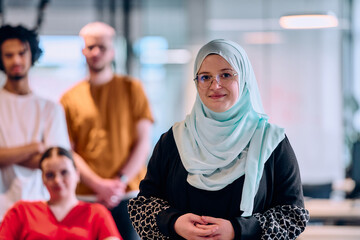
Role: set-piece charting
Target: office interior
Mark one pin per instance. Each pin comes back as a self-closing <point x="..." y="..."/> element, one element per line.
<point x="309" y="78"/>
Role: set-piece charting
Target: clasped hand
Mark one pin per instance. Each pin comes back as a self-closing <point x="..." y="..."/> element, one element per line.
<point x="191" y="226"/>
<point x="110" y="192"/>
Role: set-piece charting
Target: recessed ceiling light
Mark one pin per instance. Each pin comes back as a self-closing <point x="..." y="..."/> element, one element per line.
<point x="309" y="21"/>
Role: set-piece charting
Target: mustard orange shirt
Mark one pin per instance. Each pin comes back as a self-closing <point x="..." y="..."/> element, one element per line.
<point x="102" y="122"/>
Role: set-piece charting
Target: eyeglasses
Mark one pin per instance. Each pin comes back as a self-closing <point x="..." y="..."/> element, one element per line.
<point x="204" y="81"/>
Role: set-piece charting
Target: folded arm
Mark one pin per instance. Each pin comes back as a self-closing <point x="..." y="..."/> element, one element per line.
<point x="27" y="155"/>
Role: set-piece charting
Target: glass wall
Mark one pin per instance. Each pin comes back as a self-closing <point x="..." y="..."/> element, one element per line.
<point x="299" y="71"/>
<point x="302" y="74"/>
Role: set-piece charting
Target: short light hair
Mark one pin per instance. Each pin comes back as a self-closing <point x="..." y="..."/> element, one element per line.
<point x="97" y="29"/>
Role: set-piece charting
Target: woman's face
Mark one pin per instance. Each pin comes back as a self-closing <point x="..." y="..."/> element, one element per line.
<point x="218" y="97"/>
<point x="60" y="177"/>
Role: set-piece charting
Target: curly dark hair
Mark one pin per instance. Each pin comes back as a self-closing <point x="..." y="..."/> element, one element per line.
<point x="24" y="35"/>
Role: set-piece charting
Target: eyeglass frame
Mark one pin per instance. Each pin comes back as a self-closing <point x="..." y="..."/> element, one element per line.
<point x="212" y="79"/>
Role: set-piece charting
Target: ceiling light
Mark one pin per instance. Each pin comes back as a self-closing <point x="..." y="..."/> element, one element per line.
<point x="308" y="21"/>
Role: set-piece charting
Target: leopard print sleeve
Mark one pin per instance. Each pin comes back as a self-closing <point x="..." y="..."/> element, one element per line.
<point x="143" y="212"/>
<point x="282" y="222"/>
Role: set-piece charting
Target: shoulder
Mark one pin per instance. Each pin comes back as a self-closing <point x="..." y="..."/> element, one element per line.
<point x="45" y="105"/>
<point x="73" y="91"/>
<point x="165" y="148"/>
<point x="283" y="155"/>
<point x="2" y="92"/>
<point x="21" y="204"/>
<point x="24" y="205"/>
<point x="283" y="147"/>
<point x="51" y="108"/>
<point x="167" y="137"/>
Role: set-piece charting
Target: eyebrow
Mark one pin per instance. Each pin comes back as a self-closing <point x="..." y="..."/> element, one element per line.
<point x="224" y="69"/>
<point x="26" y="47"/>
<point x="227" y="69"/>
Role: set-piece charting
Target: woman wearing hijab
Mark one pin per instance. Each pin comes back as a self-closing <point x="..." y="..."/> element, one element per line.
<point x="63" y="216"/>
<point x="224" y="172"/>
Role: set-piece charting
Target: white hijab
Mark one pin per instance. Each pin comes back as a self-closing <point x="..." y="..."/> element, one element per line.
<point x="218" y="148"/>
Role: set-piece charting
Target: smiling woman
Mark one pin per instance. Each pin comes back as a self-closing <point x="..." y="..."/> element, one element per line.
<point x="63" y="216"/>
<point x="221" y="94"/>
<point x="224" y="172"/>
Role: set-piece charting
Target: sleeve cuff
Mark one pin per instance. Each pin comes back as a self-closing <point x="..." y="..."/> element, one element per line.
<point x="166" y="220"/>
<point x="246" y="228"/>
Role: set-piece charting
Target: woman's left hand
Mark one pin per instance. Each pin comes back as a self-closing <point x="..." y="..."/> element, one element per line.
<point x="225" y="229"/>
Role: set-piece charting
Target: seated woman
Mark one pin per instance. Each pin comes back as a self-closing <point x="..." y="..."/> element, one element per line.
<point x="63" y="216"/>
<point x="224" y="172"/>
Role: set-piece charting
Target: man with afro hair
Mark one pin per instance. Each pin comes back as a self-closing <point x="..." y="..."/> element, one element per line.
<point x="28" y="123"/>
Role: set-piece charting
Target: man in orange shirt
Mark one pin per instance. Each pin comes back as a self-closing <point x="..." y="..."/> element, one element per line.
<point x="109" y="122"/>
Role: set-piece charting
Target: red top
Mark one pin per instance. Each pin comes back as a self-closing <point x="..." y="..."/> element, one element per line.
<point x="34" y="220"/>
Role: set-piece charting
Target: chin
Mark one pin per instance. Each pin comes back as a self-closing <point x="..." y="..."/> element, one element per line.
<point x="219" y="109"/>
<point x="15" y="78"/>
<point x="96" y="69"/>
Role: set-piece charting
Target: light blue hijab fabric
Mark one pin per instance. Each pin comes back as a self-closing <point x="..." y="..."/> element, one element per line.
<point x="218" y="148"/>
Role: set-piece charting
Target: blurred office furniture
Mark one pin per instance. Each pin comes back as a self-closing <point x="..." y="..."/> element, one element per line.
<point x="332" y="211"/>
<point x="356" y="192"/>
<point x="330" y="233"/>
<point x="332" y="219"/>
<point x="317" y="190"/>
<point x="335" y="190"/>
<point x="354" y="170"/>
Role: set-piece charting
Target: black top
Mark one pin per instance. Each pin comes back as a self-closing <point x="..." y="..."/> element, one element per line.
<point x="166" y="179"/>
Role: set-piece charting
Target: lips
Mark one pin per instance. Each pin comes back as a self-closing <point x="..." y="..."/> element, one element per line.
<point x="217" y="96"/>
<point x="57" y="188"/>
<point x="16" y="69"/>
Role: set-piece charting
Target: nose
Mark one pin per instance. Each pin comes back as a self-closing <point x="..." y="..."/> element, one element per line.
<point x="16" y="59"/>
<point x="57" y="178"/>
<point x="215" y="80"/>
<point x="95" y="50"/>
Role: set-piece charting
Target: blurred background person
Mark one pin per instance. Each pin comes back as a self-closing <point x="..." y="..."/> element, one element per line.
<point x="109" y="122"/>
<point x="63" y="216"/>
<point x="224" y="172"/>
<point x="28" y="123"/>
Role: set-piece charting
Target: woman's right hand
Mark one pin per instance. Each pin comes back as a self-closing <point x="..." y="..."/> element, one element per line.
<point x="187" y="226"/>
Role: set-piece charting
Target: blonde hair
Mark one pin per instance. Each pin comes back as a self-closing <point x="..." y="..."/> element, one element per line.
<point x="97" y="29"/>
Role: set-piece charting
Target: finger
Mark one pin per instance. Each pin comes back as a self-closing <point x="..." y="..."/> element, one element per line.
<point x="211" y="220"/>
<point x="111" y="205"/>
<point x="118" y="190"/>
<point x="206" y="232"/>
<point x="205" y="227"/>
<point x="203" y="231"/>
<point x="117" y="183"/>
<point x="109" y="202"/>
<point x="114" y="200"/>
<point x="196" y="219"/>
